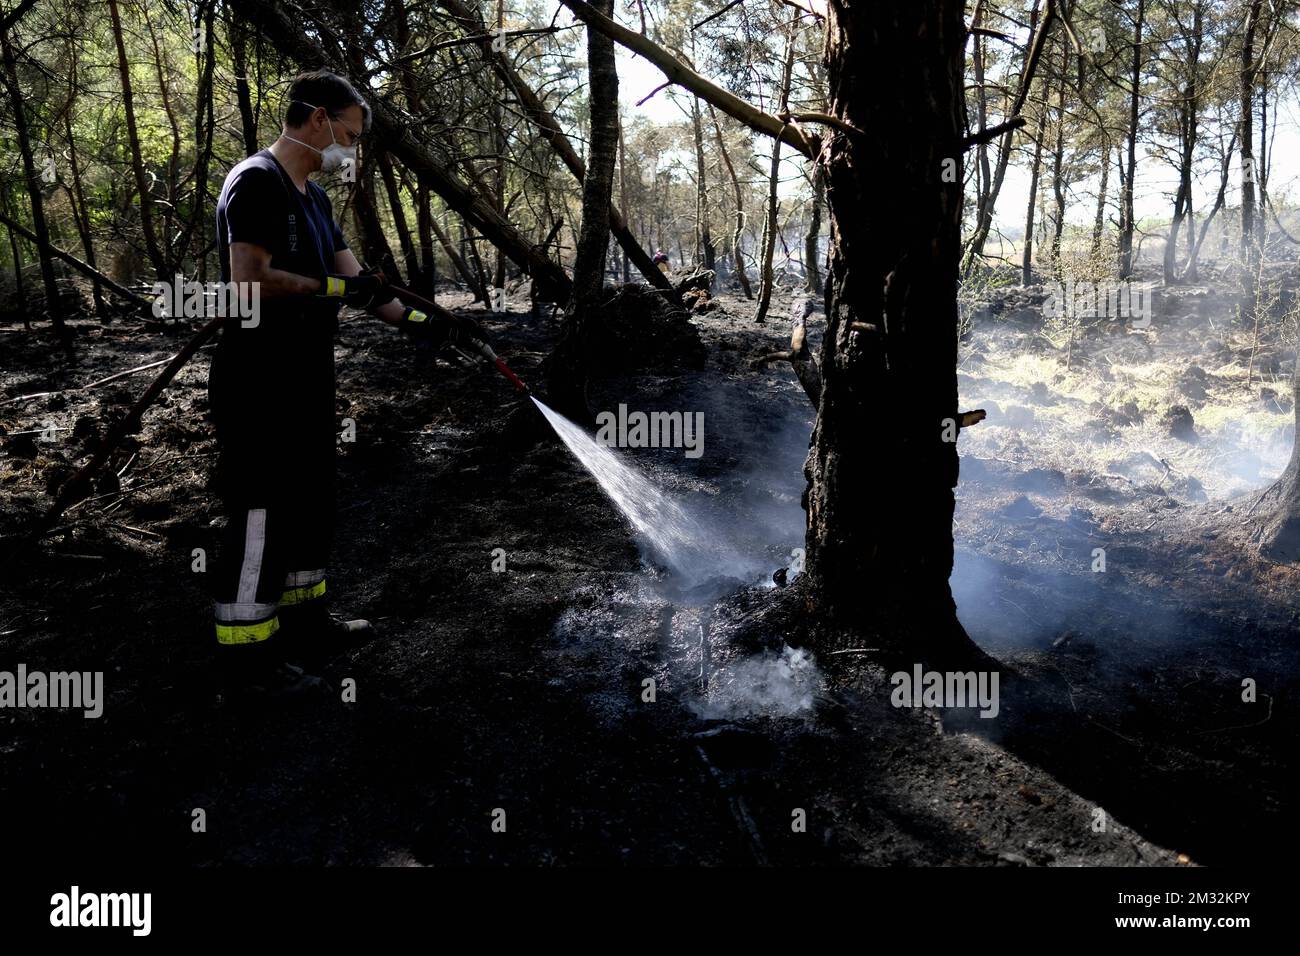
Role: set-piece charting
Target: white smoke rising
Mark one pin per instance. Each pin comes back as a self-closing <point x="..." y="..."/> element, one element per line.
<point x="770" y="685"/>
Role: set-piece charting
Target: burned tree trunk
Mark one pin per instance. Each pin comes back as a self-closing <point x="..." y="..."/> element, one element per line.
<point x="1274" y="518"/>
<point x="1126" y="214"/>
<point x="880" y="473"/>
<point x="739" y="232"/>
<point x="237" y="37"/>
<point x="39" y="225"/>
<point x="568" y="372"/>
<point x="1250" y="252"/>
<point x="767" y="277"/>
<point x="156" y="256"/>
<point x="703" y="238"/>
<point x="404" y="239"/>
<point x="81" y="211"/>
<point x="1027" y="261"/>
<point x="1099" y="223"/>
<point x="374" y="244"/>
<point x="812" y="241"/>
<point x="472" y="282"/>
<point x="1225" y="172"/>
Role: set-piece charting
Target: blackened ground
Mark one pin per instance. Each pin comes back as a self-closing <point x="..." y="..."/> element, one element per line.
<point x="522" y="691"/>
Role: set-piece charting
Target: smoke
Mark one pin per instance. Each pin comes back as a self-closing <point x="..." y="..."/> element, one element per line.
<point x="775" y="684"/>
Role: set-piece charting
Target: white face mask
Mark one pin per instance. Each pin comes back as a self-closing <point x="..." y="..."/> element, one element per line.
<point x="334" y="155"/>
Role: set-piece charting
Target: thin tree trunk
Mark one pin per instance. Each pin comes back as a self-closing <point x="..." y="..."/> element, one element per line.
<point x="238" y="38"/>
<point x="39" y="226"/>
<point x="375" y="250"/>
<point x="1189" y="271"/>
<point x="20" y="286"/>
<point x="476" y="264"/>
<point x="204" y="127"/>
<point x="1135" y="78"/>
<point x="399" y="214"/>
<point x="156" y="257"/>
<point x="703" y="240"/>
<point x="988" y="201"/>
<point x="80" y="211"/>
<point x="428" y="276"/>
<point x="173" y="162"/>
<point x="812" y="241"/>
<point x="1026" y="266"/>
<point x="769" y="232"/>
<point x="472" y="282"/>
<point x="622" y="194"/>
<point x="1249" y="245"/>
<point x="1058" y="161"/>
<point x="1099" y="223"/>
<point x="739" y="232"/>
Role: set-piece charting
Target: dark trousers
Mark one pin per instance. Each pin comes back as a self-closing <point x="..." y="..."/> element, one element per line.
<point x="279" y="502"/>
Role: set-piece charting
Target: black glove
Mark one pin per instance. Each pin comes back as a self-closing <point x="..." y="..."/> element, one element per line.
<point x="457" y="331"/>
<point x="364" y="291"/>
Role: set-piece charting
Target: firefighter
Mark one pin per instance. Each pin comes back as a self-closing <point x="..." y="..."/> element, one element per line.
<point x="272" y="389"/>
<point x="661" y="260"/>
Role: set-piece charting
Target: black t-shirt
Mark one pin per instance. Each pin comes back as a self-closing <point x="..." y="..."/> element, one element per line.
<point x="272" y="384"/>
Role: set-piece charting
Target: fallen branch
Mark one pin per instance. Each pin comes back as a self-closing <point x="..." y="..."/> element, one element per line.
<point x="799" y="356"/>
<point x="88" y="271"/>
<point x="95" y="384"/>
<point x="72" y="489"/>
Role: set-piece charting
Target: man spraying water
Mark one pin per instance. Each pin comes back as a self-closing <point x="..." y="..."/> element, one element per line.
<point x="272" y="389"/>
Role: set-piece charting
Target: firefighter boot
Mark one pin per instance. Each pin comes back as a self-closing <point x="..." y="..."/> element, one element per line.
<point x="258" y="673"/>
<point x="313" y="634"/>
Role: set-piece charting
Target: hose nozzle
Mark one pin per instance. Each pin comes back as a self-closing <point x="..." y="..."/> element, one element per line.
<point x="501" y="367"/>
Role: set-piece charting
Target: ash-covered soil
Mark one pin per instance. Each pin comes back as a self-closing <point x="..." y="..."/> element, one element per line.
<point x="524" y="691"/>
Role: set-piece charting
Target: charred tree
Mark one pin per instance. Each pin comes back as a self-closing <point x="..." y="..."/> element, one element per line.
<point x="739" y="232"/>
<point x="568" y="367"/>
<point x="767" y="278"/>
<point x="80" y="210"/>
<point x="703" y="238"/>
<point x="1099" y="221"/>
<point x="1249" y="246"/>
<point x="237" y="37"/>
<point x="1027" y="261"/>
<point x="812" y="241"/>
<point x="1135" y="90"/>
<point x="394" y="193"/>
<point x="33" y="183"/>
<point x="156" y="256"/>
<point x="1274" y="518"/>
<point x="883" y="462"/>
